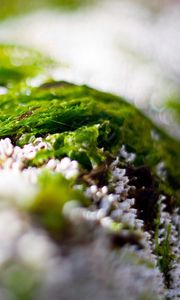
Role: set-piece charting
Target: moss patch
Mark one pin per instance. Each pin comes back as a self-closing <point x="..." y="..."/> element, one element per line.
<point x="84" y="123"/>
<point x="54" y="192"/>
<point x="78" y="121"/>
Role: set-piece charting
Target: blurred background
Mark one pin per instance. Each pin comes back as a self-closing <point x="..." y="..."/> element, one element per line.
<point x="127" y="47"/>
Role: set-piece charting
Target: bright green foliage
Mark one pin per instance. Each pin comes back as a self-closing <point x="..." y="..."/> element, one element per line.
<point x="81" y="145"/>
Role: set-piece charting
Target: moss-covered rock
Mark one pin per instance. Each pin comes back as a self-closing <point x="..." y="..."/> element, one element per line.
<point x="124" y="162"/>
<point x="85" y="124"/>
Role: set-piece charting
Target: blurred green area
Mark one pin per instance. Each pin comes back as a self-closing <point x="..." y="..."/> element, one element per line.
<point x="26" y="63"/>
<point x="173" y="105"/>
<point x="19" y="280"/>
<point x="18" y="7"/>
<point x="54" y="192"/>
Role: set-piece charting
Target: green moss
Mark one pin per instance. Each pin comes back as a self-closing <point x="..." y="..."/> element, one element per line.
<point x="54" y="192"/>
<point x="116" y="226"/>
<point x="41" y="158"/>
<point x="85" y="124"/>
<point x="81" y="145"/>
<point x="163" y="251"/>
<point x="165" y="254"/>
